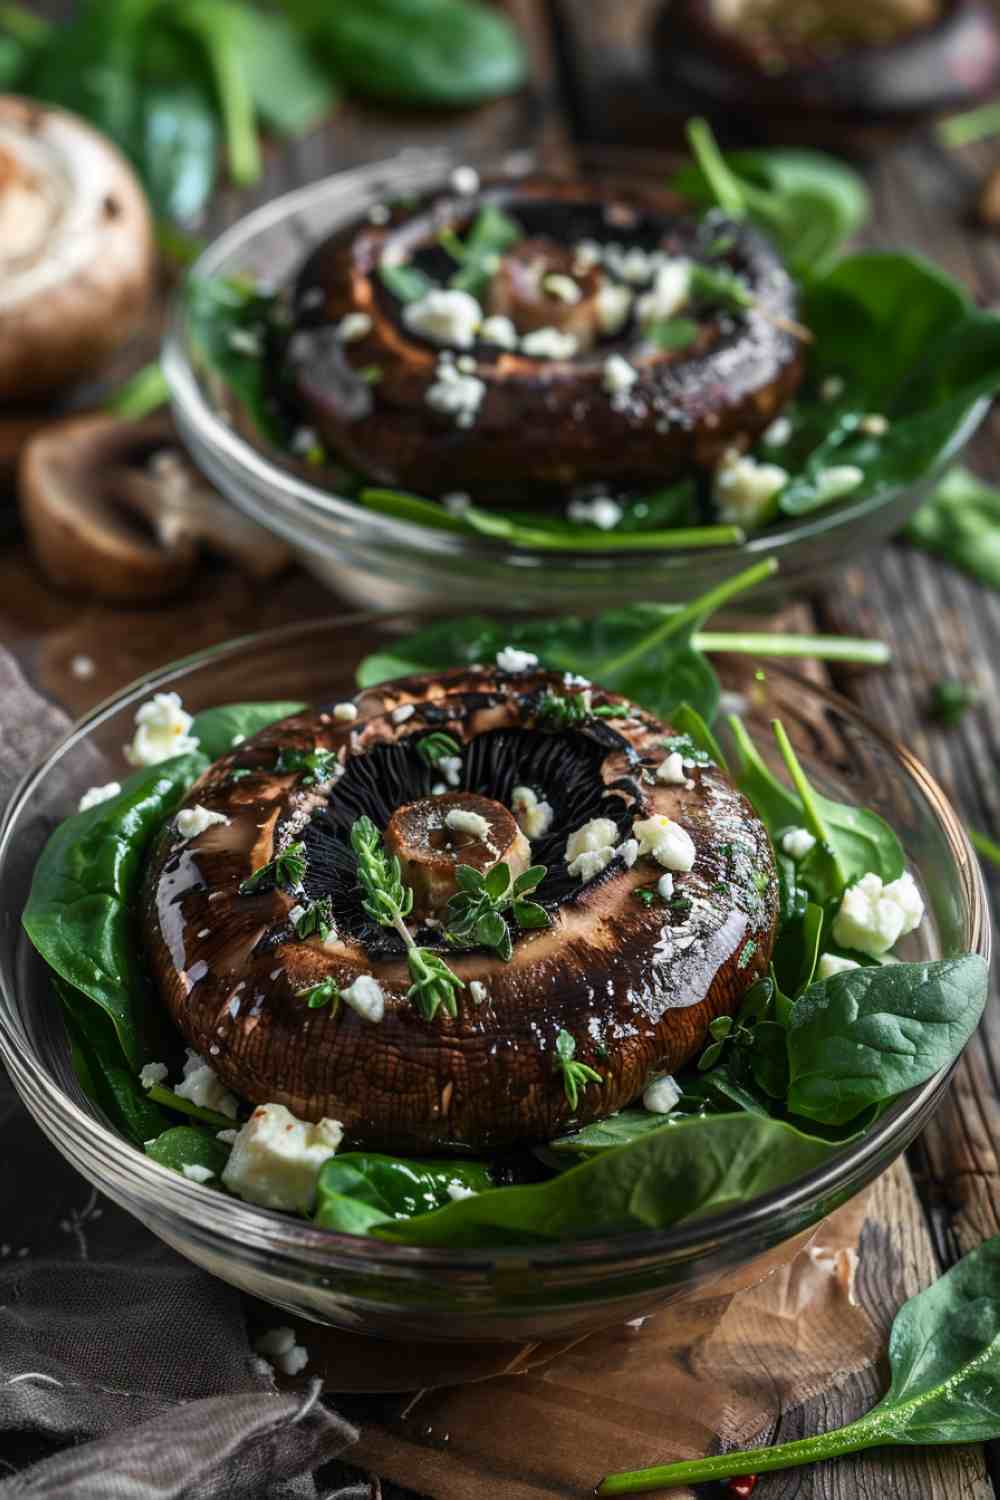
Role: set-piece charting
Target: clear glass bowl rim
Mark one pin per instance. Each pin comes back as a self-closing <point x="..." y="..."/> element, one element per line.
<point x="200" y="424"/>
<point x="279" y="1234"/>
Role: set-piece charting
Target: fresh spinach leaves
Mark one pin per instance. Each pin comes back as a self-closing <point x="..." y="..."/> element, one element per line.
<point x="359" y="1190"/>
<point x="961" y="523"/>
<point x="219" y="730"/>
<point x="186" y="1146"/>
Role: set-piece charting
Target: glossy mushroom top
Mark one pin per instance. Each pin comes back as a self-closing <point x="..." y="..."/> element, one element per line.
<point x="645" y="907"/>
<point x="540" y="336"/>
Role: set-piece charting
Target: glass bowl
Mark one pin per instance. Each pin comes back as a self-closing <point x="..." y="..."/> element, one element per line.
<point x="377" y="560"/>
<point x="400" y="1292"/>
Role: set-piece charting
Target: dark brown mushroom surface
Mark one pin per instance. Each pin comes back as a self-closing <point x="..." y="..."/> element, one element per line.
<point x="556" y="346"/>
<point x="632" y="971"/>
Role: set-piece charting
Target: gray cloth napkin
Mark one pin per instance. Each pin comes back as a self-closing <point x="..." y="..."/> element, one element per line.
<point x="125" y="1372"/>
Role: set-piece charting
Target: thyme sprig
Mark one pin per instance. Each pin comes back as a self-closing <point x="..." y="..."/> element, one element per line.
<point x="475" y="915"/>
<point x="318" y="765"/>
<point x="326" y="992"/>
<point x="434" y="748"/>
<point x="315" y="920"/>
<point x="286" y="871"/>
<point x="575" y="1075"/>
<point x="388" y="901"/>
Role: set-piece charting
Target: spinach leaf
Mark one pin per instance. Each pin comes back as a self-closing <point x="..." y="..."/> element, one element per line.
<point x="231" y="323"/>
<point x="99" y="1065"/>
<point x="702" y="741"/>
<point x="216" y="729"/>
<point x="868" y="1034"/>
<point x="425" y="52"/>
<point x="188" y="1146"/>
<point x="358" y="1190"/>
<point x="176" y="136"/>
<point x="80" y="909"/>
<point x="695" y="1166"/>
<point x="604" y="1135"/>
<point x="944" y="1355"/>
<point x="961" y="523"/>
<point x="291" y="89"/>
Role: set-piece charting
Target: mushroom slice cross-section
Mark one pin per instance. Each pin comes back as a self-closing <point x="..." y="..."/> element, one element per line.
<point x="249" y="921"/>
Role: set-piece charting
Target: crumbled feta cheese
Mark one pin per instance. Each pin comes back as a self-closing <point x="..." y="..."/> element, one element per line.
<point x="191" y="821"/>
<point x="833" y="388"/>
<point x="602" y="512"/>
<point x="403" y="712"/>
<point x="666" y="841"/>
<point x="586" y="255"/>
<point x="95" y="795"/>
<point x="458" y="1190"/>
<point x="873" y="917"/>
<point x="534" y="817"/>
<point x="563" y="288"/>
<point x="632" y="263"/>
<point x="451" y="767"/>
<point x="227" y="1137"/>
<point x="839" y="480"/>
<point x="152" y="1074"/>
<point x="874" y="425"/>
<point x="745" y="490"/>
<point x="201" y="1085"/>
<point x="778" y="434"/>
<point x="295" y="1361"/>
<point x="276" y="1159"/>
<point x="797" y="842"/>
<point x="510" y="659"/>
<point x="618" y="375"/>
<point x="345" y="712"/>
<point x="831" y="963"/>
<point x="612" y="305"/>
<point x="661" y="1096"/>
<point x="589" y="864"/>
<point x="467" y="364"/>
<point x="500" y="331"/>
<point x="83" y="666"/>
<point x="353" y="327"/>
<point x="195" y="1173"/>
<point x="244" y="341"/>
<point x="379" y="213"/>
<point x="671" y="771"/>
<point x="456" y="503"/>
<point x="472" y="823"/>
<point x="456" y="395"/>
<point x="671" y="291"/>
<point x="236" y="740"/>
<point x="161" y="732"/>
<point x="365" y="996"/>
<point x="628" y="852"/>
<point x="599" y="833"/>
<point x="445" y="316"/>
<point x="279" y="1348"/>
<point x="549" y="343"/>
<point x="465" y="180"/>
<point x="665" y="887"/>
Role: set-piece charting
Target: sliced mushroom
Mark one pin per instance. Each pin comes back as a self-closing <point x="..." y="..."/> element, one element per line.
<point x="635" y="980"/>
<point x="114" y="509"/>
<point x="76" y="249"/>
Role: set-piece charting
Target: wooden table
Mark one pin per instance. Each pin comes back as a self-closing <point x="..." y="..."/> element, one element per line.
<point x="591" y="87"/>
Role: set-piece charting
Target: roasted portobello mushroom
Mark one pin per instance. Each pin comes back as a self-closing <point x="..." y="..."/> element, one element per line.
<point x="655" y="912"/>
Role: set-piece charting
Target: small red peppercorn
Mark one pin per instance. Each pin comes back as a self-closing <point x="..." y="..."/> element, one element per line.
<point x="741" y="1488"/>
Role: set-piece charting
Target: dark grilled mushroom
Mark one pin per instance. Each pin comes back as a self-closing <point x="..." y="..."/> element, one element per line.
<point x="634" y="979"/>
<point x="575" y="351"/>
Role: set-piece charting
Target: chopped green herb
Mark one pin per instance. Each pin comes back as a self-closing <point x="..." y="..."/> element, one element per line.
<point x="479" y="254"/>
<point x="434" y="985"/>
<point x="575" y="1075"/>
<point x="316" y="920"/>
<point x="475" y="916"/>
<point x="405" y="282"/>
<point x="720" y="288"/>
<point x="240" y="774"/>
<point x="746" y="954"/>
<point x="672" y="333"/>
<point x="435" y="748"/>
<point x="327" y="992"/>
<point x="951" y="700"/>
<point x="564" y="711"/>
<point x="285" y="872"/>
<point x="318" y="765"/>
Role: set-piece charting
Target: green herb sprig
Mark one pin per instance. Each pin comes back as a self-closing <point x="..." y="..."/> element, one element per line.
<point x="475" y="915"/>
<point x="575" y="1075"/>
<point x="316" y="920"/>
<point x="434" y="748"/>
<point x="318" y="766"/>
<point x="316" y="996"/>
<point x="286" y="871"/>
<point x="564" y="710"/>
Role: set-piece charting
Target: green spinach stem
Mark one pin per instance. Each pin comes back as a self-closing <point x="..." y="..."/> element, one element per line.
<point x="810" y="807"/>
<point x="817" y="647"/>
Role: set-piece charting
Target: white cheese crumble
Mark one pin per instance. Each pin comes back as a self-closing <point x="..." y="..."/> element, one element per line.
<point x="465" y="180"/>
<point x="612" y="305"/>
<point x="618" y="376"/>
<point x="276" y="1159"/>
<point x="833" y="388"/>
<point x="590" y="849"/>
<point x="661" y="1096"/>
<point x="671" y="771"/>
<point x="778" y="434"/>
<point x="745" y="490"/>
<point x="472" y="823"/>
<point x="446" y="317"/>
<point x="549" y="343"/>
<point x="665" y="886"/>
<point x="873" y="917"/>
<point x="152" y="1074"/>
<point x="457" y="502"/>
<point x="456" y="395"/>
<point x="458" y="1190"/>
<point x="379" y="213"/>
<point x="534" y="816"/>
<point x="161" y="731"/>
<point x="353" y="327"/>
<point x="602" y="512"/>
<point x="666" y="841"/>
<point x="403" y="712"/>
<point x="195" y="1173"/>
<point x="628" y="852"/>
<point x="874" y="425"/>
<point x="832" y="963"/>
<point x="499" y="330"/>
<point x="563" y="288"/>
<point x="345" y="712"/>
<point x="201" y="1085"/>
<point x="227" y="1137"/>
<point x="95" y="795"/>
<point x="366" y="997"/>
<point x="671" y="291"/>
<point x="83" y="666"/>
<point x="510" y="659"/>
<point x="477" y="991"/>
<point x="839" y="480"/>
<point x="279" y="1348"/>
<point x="590" y="862"/>
<point x="632" y="263"/>
<point x="586" y="255"/>
<point x="797" y="842"/>
<point x="191" y="821"/>
<point x="451" y="767"/>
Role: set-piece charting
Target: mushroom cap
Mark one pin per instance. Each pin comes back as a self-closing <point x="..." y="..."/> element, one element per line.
<point x="77" y="258"/>
<point x="635" y="982"/>
<point x="542" y="424"/>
